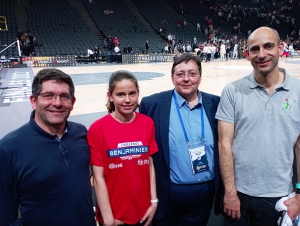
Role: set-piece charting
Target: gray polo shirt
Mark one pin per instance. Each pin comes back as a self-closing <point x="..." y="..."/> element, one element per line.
<point x="265" y="131"/>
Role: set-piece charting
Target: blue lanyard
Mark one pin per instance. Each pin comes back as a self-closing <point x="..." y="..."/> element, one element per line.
<point x="181" y="121"/>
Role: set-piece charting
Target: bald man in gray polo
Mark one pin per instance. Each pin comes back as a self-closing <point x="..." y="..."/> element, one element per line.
<point x="266" y="129"/>
<point x="259" y="126"/>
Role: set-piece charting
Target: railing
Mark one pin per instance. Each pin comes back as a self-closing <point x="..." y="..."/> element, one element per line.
<point x="18" y="44"/>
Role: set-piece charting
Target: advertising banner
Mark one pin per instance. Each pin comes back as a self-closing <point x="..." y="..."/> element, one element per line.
<point x="49" y="61"/>
<point x="136" y="58"/>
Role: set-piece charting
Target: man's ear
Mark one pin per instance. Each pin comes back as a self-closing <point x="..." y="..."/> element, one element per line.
<point x="33" y="102"/>
<point x="247" y="54"/>
<point x="281" y="48"/>
<point x="73" y="100"/>
<point x="172" y="77"/>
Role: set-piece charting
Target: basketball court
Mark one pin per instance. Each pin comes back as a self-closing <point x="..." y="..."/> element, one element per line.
<point x="91" y="83"/>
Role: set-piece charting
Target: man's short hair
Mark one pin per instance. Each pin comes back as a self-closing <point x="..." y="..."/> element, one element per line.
<point x="186" y="57"/>
<point x="48" y="75"/>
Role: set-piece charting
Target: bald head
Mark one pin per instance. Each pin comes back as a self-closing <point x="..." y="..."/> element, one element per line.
<point x="264" y="49"/>
<point x="262" y="30"/>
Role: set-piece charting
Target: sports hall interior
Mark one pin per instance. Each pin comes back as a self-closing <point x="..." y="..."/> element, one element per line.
<point x="69" y="27"/>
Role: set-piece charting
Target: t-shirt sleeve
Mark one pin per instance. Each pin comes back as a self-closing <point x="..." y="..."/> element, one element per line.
<point x="152" y="144"/>
<point x="94" y="141"/>
<point x="226" y="106"/>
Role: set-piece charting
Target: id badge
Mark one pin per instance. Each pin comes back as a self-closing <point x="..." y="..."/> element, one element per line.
<point x="198" y="159"/>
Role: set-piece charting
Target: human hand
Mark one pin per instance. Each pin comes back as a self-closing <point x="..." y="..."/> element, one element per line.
<point x="113" y="222"/>
<point x="149" y="214"/>
<point x="293" y="206"/>
<point x="232" y="206"/>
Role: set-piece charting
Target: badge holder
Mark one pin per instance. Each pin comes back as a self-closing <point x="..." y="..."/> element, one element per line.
<point x="197" y="152"/>
<point x="198" y="158"/>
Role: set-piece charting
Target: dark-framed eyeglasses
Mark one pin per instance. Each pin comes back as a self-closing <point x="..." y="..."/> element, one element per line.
<point x="64" y="97"/>
<point x="189" y="74"/>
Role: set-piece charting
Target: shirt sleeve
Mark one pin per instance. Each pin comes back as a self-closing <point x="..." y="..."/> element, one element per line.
<point x="152" y="144"/>
<point x="8" y="191"/>
<point x="94" y="141"/>
<point x="226" y="106"/>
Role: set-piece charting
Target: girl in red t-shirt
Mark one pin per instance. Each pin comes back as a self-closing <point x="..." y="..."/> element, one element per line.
<point x="121" y="145"/>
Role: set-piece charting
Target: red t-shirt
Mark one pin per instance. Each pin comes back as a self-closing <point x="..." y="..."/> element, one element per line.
<point x="123" y="150"/>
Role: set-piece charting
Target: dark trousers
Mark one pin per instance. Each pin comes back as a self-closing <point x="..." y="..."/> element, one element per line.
<point x="255" y="211"/>
<point x="208" y="56"/>
<point x="189" y="205"/>
<point x="91" y="57"/>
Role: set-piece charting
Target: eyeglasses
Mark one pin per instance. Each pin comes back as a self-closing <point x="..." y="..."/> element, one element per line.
<point x="64" y="97"/>
<point x="189" y="74"/>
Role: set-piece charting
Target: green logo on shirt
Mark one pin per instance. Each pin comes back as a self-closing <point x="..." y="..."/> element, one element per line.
<point x="288" y="105"/>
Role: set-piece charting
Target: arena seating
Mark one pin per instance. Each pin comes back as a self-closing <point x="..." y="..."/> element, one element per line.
<point x="196" y="12"/>
<point x="254" y="21"/>
<point x="7" y="37"/>
<point x="59" y="28"/>
<point x="122" y="23"/>
<point x="155" y="13"/>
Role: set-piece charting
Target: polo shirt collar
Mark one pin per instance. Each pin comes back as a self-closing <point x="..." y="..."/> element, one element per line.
<point x="285" y="85"/>
<point x="181" y="101"/>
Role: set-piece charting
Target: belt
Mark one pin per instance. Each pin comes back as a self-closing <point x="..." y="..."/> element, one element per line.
<point x="204" y="182"/>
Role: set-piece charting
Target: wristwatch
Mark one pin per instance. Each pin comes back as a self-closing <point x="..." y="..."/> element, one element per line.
<point x="154" y="200"/>
<point x="297" y="191"/>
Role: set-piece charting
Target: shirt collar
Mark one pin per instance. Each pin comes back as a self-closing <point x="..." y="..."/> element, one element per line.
<point x="285" y="85"/>
<point x="181" y="101"/>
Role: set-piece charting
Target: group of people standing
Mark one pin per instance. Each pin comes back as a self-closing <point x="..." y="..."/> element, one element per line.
<point x="27" y="42"/>
<point x="112" y="45"/>
<point x="167" y="163"/>
<point x="94" y="54"/>
<point x="223" y="49"/>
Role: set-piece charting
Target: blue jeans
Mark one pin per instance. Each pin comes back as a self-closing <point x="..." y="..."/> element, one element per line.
<point x="255" y="211"/>
<point x="189" y="205"/>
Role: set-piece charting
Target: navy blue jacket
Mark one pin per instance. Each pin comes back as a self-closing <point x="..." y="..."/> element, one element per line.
<point x="158" y="107"/>
<point x="47" y="177"/>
